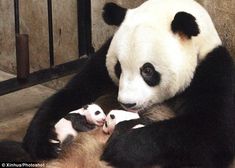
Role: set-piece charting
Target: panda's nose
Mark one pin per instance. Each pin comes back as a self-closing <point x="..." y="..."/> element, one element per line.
<point x="128" y="105"/>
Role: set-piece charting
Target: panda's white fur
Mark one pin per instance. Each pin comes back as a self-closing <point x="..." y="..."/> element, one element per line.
<point x="146" y="36"/>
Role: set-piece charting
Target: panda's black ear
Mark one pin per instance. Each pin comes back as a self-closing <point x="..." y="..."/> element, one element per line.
<point x="113" y="14"/>
<point x="184" y="23"/>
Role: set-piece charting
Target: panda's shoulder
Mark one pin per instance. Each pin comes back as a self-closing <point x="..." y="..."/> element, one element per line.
<point x="216" y="64"/>
<point x="214" y="75"/>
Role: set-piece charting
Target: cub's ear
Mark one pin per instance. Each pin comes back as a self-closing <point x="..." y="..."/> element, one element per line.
<point x="185" y="24"/>
<point x="113" y="14"/>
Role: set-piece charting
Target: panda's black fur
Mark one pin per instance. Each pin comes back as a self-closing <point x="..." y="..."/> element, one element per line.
<point x="85" y="87"/>
<point x="113" y="14"/>
<point x="201" y="135"/>
<point x="186" y="23"/>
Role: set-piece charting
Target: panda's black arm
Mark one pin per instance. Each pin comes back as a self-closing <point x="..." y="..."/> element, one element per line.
<point x="174" y="143"/>
<point x="84" y="88"/>
<point x="205" y="140"/>
<point x="201" y="135"/>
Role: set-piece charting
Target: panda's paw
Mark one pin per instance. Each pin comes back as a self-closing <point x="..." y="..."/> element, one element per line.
<point x="119" y="151"/>
<point x="42" y="145"/>
<point x="53" y="147"/>
<point x="131" y="149"/>
<point x="125" y="126"/>
<point x="115" y="153"/>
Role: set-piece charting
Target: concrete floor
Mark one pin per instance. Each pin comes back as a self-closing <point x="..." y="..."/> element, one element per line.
<point x="18" y="108"/>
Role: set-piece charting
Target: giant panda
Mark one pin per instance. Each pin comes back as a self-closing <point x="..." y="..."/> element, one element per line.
<point x="163" y="52"/>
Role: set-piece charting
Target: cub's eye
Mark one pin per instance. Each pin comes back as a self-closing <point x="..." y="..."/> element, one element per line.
<point x="112" y="116"/>
<point x="150" y="75"/>
<point x="97" y="112"/>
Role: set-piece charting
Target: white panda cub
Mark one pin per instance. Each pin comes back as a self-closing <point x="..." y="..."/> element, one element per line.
<point x="116" y="116"/>
<point x="81" y="120"/>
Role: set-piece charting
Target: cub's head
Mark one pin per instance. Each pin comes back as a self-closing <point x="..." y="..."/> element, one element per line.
<point x="154" y="53"/>
<point x="94" y="114"/>
<point x="116" y="116"/>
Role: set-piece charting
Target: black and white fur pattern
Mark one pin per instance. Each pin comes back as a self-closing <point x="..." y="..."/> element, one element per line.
<point x="163" y="52"/>
<point x="83" y="119"/>
<point x="116" y="116"/>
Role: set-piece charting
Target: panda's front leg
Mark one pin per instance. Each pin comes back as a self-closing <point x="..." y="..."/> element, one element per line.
<point x="171" y="143"/>
<point x="133" y="148"/>
<point x="92" y="82"/>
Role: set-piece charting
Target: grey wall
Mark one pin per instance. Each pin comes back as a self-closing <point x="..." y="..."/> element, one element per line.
<point x="223" y="15"/>
<point x="7" y="37"/>
<point x="33" y="21"/>
<point x="100" y="30"/>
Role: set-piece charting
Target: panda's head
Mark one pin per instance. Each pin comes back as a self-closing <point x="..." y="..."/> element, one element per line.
<point x="154" y="53"/>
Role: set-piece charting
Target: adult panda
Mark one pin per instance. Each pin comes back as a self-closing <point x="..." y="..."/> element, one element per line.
<point x="163" y="52"/>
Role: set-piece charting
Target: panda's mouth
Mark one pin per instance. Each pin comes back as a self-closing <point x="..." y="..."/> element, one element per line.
<point x="139" y="110"/>
<point x="133" y="110"/>
<point x="136" y="109"/>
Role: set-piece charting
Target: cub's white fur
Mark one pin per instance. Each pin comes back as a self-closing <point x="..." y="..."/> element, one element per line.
<point x="64" y="127"/>
<point x="90" y="115"/>
<point x="116" y="116"/>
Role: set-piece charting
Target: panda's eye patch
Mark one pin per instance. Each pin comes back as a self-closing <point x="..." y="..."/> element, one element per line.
<point x="118" y="69"/>
<point x="150" y="75"/>
<point x="97" y="112"/>
<point x="112" y="116"/>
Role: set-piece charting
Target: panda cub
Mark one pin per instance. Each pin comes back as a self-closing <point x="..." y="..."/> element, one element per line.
<point x="116" y="116"/>
<point x="81" y="120"/>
